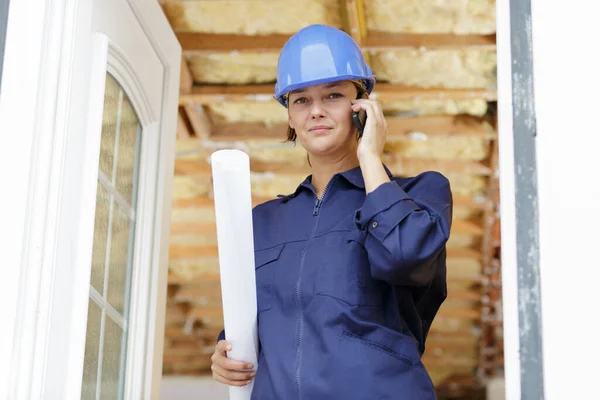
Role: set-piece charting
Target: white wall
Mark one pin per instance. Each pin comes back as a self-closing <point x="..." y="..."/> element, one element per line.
<point x="192" y="388"/>
<point x="567" y="85"/>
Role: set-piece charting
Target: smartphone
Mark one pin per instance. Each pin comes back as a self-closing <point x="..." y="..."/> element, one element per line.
<point x="359" y="119"/>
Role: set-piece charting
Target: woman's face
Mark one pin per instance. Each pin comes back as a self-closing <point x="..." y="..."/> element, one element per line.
<point x="321" y="115"/>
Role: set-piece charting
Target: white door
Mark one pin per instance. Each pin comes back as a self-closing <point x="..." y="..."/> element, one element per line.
<point x="89" y="93"/>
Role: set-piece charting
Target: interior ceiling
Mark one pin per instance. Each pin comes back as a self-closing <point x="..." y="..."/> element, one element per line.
<point x="436" y="69"/>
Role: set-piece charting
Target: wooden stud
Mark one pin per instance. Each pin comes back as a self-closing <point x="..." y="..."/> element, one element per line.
<point x="375" y="41"/>
<point x="398" y="128"/>
<point x="199" y="120"/>
<point x="398" y="166"/>
<point x="186" y="80"/>
<point x="183" y="132"/>
<point x="208" y="94"/>
<point x="386" y="41"/>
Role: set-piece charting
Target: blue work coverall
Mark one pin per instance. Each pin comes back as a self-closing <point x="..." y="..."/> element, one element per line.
<point x="347" y="288"/>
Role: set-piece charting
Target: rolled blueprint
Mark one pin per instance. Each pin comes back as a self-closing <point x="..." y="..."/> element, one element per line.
<point x="233" y="209"/>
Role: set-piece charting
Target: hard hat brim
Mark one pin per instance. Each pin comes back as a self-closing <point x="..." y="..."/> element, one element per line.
<point x="370" y="83"/>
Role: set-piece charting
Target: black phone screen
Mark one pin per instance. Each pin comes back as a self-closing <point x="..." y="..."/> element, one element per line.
<point x="359" y="119"/>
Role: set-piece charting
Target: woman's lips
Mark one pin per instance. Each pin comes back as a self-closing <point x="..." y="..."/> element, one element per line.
<point x="319" y="129"/>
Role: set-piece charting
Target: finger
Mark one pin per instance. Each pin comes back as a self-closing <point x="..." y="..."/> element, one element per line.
<point x="235" y="365"/>
<point x="375" y="111"/>
<point x="223" y="346"/>
<point x="233" y="375"/>
<point x="226" y="381"/>
<point x="229" y="364"/>
<point x="372" y="107"/>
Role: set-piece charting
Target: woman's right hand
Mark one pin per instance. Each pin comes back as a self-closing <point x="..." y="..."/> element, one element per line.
<point x="230" y="372"/>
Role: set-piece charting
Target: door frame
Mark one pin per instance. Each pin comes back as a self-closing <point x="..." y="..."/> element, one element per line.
<point x="47" y="92"/>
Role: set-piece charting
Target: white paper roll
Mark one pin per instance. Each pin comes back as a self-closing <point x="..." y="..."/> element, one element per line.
<point x="233" y="208"/>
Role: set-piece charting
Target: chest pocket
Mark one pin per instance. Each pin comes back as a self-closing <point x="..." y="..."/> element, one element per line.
<point x="265" y="261"/>
<point x="345" y="272"/>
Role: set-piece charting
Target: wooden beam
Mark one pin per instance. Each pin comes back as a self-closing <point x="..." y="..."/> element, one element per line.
<point x="208" y="94"/>
<point x="186" y="81"/>
<point x="212" y="295"/>
<point x="398" y="128"/>
<point x="413" y="166"/>
<point x="350" y="19"/>
<point x="398" y="166"/>
<point x="183" y="133"/>
<point x="213" y="278"/>
<point x="206" y="279"/>
<point x="395" y="92"/>
<point x="200" y="312"/>
<point x="353" y="15"/>
<point x="199" y="120"/>
<point x="224" y="43"/>
<point x="177" y="251"/>
<point x="374" y="41"/>
<point x="199" y="201"/>
<point x="204" y="201"/>
<point x="432" y="361"/>
<point x="386" y="41"/>
<point x="466" y="228"/>
<point x="460" y="313"/>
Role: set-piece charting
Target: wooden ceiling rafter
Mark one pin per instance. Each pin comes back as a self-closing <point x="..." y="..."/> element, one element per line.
<point x="183" y="132"/>
<point x="353" y="15"/>
<point x="398" y="127"/>
<point x="208" y="94"/>
<point x="199" y="120"/>
<point x="193" y="42"/>
<point x="178" y="251"/>
<point x="398" y="165"/>
<point x="201" y="201"/>
<point x="186" y="80"/>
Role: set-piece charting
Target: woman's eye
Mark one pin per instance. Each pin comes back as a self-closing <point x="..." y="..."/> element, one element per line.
<point x="300" y="100"/>
<point x="335" y="95"/>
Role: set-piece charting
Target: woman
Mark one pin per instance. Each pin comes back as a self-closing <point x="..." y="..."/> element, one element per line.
<point x="351" y="267"/>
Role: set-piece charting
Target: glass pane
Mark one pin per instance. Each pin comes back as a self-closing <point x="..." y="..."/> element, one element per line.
<point x="92" y="348"/>
<point x="109" y="125"/>
<point x="120" y="249"/>
<point x="112" y="369"/>
<point x="127" y="152"/>
<point x="100" y="237"/>
<point x="114" y="233"/>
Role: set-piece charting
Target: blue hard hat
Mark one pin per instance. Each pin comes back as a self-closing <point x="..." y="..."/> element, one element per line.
<point x="320" y="54"/>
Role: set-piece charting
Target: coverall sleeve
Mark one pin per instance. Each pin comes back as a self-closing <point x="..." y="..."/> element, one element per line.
<point x="404" y="234"/>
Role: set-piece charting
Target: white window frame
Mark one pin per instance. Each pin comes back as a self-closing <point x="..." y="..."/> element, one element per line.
<point x="49" y="225"/>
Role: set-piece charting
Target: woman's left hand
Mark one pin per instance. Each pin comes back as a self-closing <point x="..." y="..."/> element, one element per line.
<point x="375" y="132"/>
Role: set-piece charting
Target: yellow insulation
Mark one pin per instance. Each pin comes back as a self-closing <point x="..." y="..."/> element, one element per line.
<point x="443" y="148"/>
<point x="270" y="113"/>
<point x="251" y="17"/>
<point x="464" y="68"/>
<point x="439" y="16"/>
<point x="233" y="68"/>
<point x="476" y="107"/>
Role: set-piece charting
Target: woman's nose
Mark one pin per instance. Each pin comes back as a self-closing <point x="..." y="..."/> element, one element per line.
<point x="317" y="110"/>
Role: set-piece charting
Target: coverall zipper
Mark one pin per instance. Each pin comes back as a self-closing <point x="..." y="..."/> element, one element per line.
<point x="300" y="324"/>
